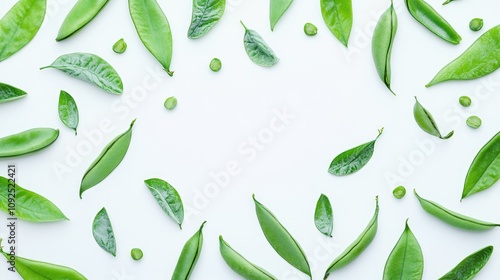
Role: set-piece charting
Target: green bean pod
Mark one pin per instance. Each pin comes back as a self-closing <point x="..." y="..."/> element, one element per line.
<point x="470" y="266"/>
<point x="189" y="256"/>
<point x="432" y="20"/>
<point x="453" y="218"/>
<point x="480" y="59"/>
<point x="383" y="39"/>
<point x="280" y="239"/>
<point x="241" y="265"/>
<point x="358" y="246"/>
<point x="37" y="270"/>
<point x="81" y="14"/>
<point x="107" y="161"/>
<point x="28" y="141"/>
<point x="426" y="122"/>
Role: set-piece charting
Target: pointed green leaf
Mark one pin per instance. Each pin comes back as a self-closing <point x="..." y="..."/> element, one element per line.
<point x="103" y="232"/>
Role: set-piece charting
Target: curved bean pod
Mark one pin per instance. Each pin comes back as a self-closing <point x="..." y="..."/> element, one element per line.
<point x="81" y="14"/>
<point x="426" y="122"/>
<point x="432" y="20"/>
<point x="383" y="39"/>
<point x="241" y="265"/>
<point x="453" y="218"/>
<point x="28" y="141"/>
<point x="470" y="266"/>
<point x="107" y="161"/>
<point x="189" y="256"/>
<point x="280" y="239"/>
<point x="358" y="246"/>
<point x="277" y="9"/>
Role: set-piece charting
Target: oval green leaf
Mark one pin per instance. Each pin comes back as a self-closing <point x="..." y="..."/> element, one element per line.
<point x="27" y="142"/>
<point x="107" y="161"/>
<point x="257" y="49"/>
<point x="241" y="265"/>
<point x="29" y="206"/>
<point x="479" y="60"/>
<point x="358" y="246"/>
<point x="81" y="14"/>
<point x="168" y="198"/>
<point x="206" y="14"/>
<point x="453" y="218"/>
<point x="337" y="15"/>
<point x="37" y="270"/>
<point x="20" y="25"/>
<point x="470" y="266"/>
<point x="432" y="20"/>
<point x="103" y="232"/>
<point x="406" y="261"/>
<point x="426" y="122"/>
<point x="153" y="29"/>
<point x="382" y="42"/>
<point x="68" y="111"/>
<point x="89" y="68"/>
<point x="323" y="216"/>
<point x="277" y="10"/>
<point x="354" y="159"/>
<point x="485" y="168"/>
<point x="9" y="93"/>
<point x="189" y="256"/>
<point x="280" y="239"/>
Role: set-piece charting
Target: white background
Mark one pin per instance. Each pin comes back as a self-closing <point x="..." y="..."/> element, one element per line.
<point x="338" y="102"/>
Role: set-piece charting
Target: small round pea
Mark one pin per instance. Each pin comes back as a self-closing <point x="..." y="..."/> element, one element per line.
<point x="474" y="121"/>
<point x="215" y="65"/>
<point x="136" y="254"/>
<point x="476" y="24"/>
<point x="120" y="46"/>
<point x="399" y="192"/>
<point x="465" y="101"/>
<point x="170" y="103"/>
<point x="310" y="29"/>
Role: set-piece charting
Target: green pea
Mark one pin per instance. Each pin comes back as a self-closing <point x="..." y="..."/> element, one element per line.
<point x="465" y="101"/>
<point x="120" y="46"/>
<point x="310" y="29"/>
<point x="476" y="24"/>
<point x="28" y="141"/>
<point x="399" y="192"/>
<point x="136" y="254"/>
<point x="189" y="256"/>
<point x="215" y="65"/>
<point x="170" y="103"/>
<point x="474" y="122"/>
<point x="79" y="16"/>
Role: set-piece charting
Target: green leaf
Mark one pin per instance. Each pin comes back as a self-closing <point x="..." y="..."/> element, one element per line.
<point x="153" y="29"/>
<point x="258" y="50"/>
<point x="280" y="239"/>
<point x="37" y="270"/>
<point x="28" y="206"/>
<point x="485" y="168"/>
<point x="103" y="232"/>
<point x="206" y="14"/>
<point x="337" y="15"/>
<point x="323" y="217"/>
<point x="354" y="159"/>
<point x="107" y="161"/>
<point x="277" y="9"/>
<point x="68" y="111"/>
<point x="479" y="60"/>
<point x="168" y="198"/>
<point x="382" y="42"/>
<point x="9" y="93"/>
<point x="406" y="261"/>
<point x="90" y="68"/>
<point x="20" y="25"/>
<point x="470" y="266"/>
